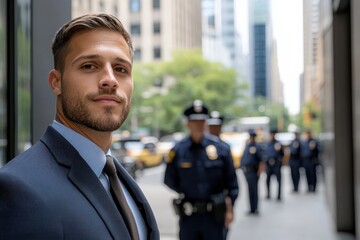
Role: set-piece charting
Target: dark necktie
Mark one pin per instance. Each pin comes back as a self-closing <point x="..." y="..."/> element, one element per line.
<point x="119" y="197"/>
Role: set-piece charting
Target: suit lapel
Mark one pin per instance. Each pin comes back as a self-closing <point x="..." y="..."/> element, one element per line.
<point x="81" y="175"/>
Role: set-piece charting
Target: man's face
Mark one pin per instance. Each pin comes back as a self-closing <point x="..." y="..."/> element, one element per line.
<point x="215" y="130"/>
<point x="96" y="83"/>
<point x="196" y="127"/>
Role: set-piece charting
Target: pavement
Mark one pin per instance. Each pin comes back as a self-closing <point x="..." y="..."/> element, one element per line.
<point x="298" y="216"/>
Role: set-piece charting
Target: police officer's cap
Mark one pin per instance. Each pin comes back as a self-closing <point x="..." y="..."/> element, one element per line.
<point x="252" y="132"/>
<point x="215" y="118"/>
<point x="197" y="111"/>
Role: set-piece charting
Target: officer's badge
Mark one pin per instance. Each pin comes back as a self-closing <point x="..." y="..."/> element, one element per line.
<point x="252" y="150"/>
<point x="211" y="152"/>
<point x="185" y="164"/>
<point x="312" y="144"/>
<point x="277" y="146"/>
<point x="295" y="144"/>
<point x="171" y="156"/>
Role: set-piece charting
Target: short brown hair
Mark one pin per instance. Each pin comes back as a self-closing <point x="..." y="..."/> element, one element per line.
<point x="82" y="23"/>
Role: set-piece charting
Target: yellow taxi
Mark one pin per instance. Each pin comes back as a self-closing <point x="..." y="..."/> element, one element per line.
<point x="143" y="150"/>
<point x="237" y="142"/>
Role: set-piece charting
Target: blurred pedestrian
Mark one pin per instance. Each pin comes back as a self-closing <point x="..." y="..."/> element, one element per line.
<point x="295" y="161"/>
<point x="67" y="185"/>
<point x="200" y="169"/>
<point x="273" y="155"/>
<point x="310" y="158"/>
<point x="252" y="165"/>
<point x="215" y="122"/>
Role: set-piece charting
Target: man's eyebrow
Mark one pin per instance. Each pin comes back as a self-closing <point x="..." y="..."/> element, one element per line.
<point x="96" y="56"/>
<point x="123" y="60"/>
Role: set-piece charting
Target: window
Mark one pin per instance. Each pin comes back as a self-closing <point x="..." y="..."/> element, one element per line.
<point x="22" y="74"/>
<point x="101" y="6"/>
<point x="156" y="4"/>
<point x="135" y="29"/>
<point x="157" y="53"/>
<point x="211" y="21"/>
<point x="137" y="54"/>
<point x="115" y="10"/>
<point x="157" y="28"/>
<point x="135" y="6"/>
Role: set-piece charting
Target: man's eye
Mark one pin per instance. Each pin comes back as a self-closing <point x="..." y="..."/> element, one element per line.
<point x="88" y="66"/>
<point x="120" y="69"/>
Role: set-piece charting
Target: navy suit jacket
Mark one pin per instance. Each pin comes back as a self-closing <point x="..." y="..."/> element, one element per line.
<point x="49" y="192"/>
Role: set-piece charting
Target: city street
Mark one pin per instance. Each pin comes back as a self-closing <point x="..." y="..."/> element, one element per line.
<point x="302" y="216"/>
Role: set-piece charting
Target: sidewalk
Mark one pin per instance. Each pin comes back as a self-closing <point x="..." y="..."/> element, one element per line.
<point x="299" y="216"/>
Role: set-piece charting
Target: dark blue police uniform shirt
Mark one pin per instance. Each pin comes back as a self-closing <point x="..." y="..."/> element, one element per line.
<point x="309" y="148"/>
<point x="252" y="155"/>
<point x="201" y="170"/>
<point x="294" y="148"/>
<point x="273" y="150"/>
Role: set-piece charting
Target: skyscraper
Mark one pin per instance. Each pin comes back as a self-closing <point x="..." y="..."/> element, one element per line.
<point x="221" y="37"/>
<point x="260" y="44"/>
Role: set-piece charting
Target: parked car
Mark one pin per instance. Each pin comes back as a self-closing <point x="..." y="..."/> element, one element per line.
<point x="143" y="151"/>
<point x="126" y="161"/>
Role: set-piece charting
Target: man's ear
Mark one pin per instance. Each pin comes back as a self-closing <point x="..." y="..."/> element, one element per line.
<point x="54" y="81"/>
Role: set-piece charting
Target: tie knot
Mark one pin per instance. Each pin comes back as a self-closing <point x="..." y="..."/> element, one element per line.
<point x="109" y="168"/>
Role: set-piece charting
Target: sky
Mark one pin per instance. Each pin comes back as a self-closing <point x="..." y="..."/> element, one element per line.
<point x="288" y="31"/>
<point x="287" y="23"/>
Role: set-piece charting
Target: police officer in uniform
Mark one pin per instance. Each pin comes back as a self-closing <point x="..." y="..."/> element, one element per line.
<point x="309" y="155"/>
<point x="214" y="123"/>
<point x="252" y="164"/>
<point x="201" y="170"/>
<point x="295" y="161"/>
<point x="273" y="155"/>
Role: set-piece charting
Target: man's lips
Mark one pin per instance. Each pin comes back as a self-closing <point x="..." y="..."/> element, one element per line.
<point x="107" y="98"/>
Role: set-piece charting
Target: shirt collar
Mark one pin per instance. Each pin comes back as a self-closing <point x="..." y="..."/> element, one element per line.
<point x="88" y="150"/>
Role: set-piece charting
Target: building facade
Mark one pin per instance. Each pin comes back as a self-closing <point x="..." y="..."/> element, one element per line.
<point x="158" y="27"/>
<point x="340" y="137"/>
<point x="313" y="77"/>
<point x="221" y="35"/>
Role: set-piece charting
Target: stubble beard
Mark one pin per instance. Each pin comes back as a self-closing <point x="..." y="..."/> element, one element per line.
<point x="76" y="110"/>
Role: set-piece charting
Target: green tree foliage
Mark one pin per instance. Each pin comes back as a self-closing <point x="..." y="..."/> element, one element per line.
<point x="164" y="89"/>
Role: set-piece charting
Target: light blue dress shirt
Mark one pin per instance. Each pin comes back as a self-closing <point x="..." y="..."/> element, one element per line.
<point x="96" y="159"/>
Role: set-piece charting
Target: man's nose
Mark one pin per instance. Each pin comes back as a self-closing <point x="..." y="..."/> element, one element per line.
<point x="108" y="79"/>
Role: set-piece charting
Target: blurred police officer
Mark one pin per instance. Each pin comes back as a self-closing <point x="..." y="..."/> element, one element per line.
<point x="214" y="123"/>
<point x="309" y="154"/>
<point x="252" y="164"/>
<point x="295" y="161"/>
<point x="201" y="170"/>
<point x="273" y="155"/>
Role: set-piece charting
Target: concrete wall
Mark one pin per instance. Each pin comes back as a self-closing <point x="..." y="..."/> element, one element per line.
<point x="355" y="45"/>
<point x="338" y="128"/>
<point x="47" y="17"/>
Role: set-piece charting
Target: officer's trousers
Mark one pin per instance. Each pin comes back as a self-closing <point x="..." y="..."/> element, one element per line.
<point x="295" y="165"/>
<point x="200" y="227"/>
<point x="310" y="170"/>
<point x="252" y="179"/>
<point x="273" y="170"/>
